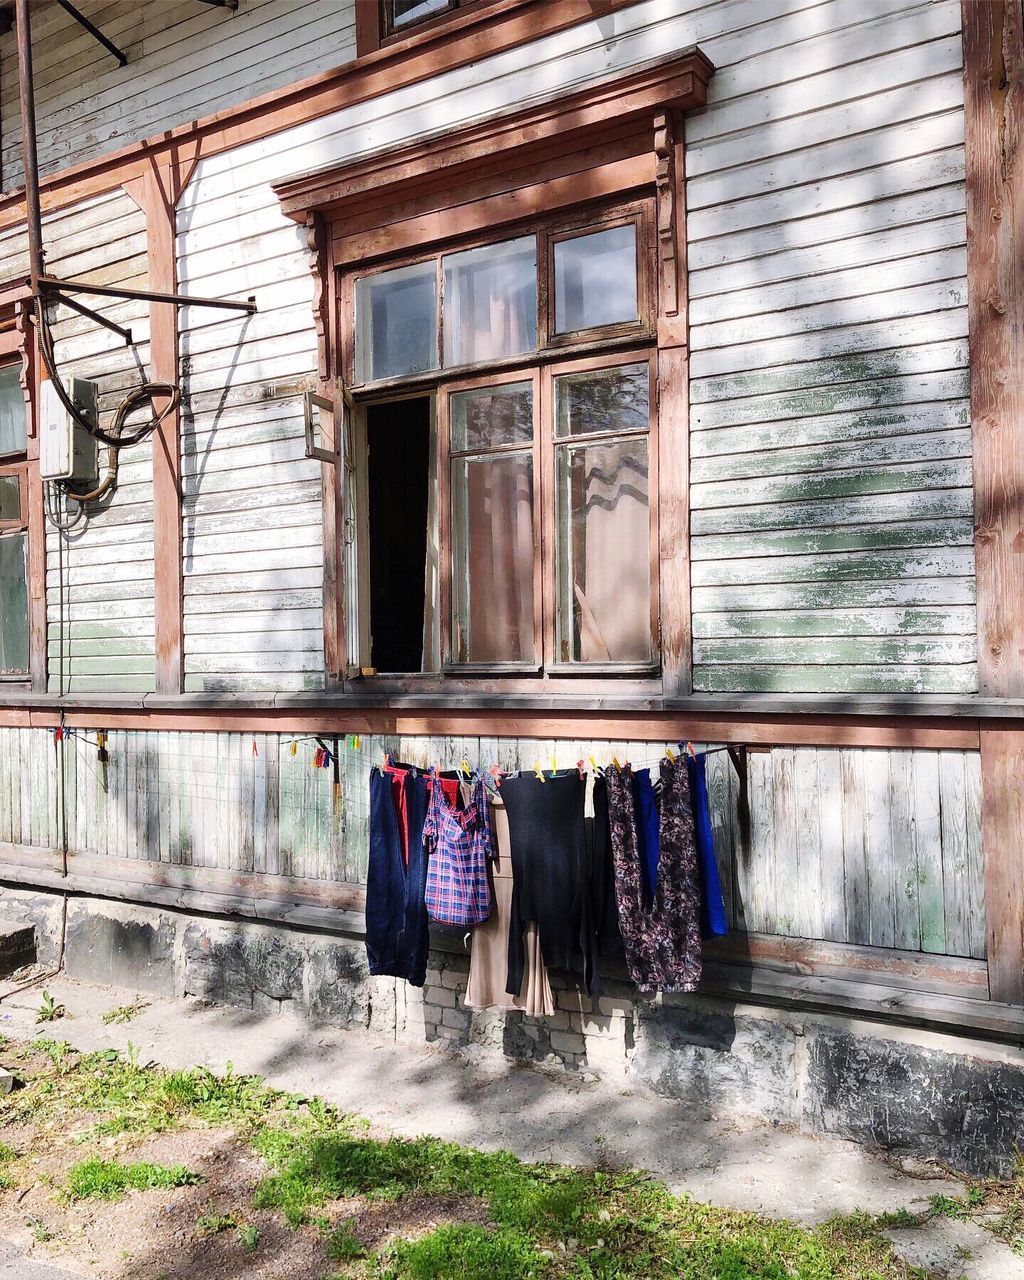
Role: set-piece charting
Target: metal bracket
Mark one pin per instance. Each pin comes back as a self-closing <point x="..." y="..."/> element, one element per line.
<point x="94" y="31"/>
<point x="126" y="334"/>
<point x="312" y="401"/>
<point x="144" y="295"/>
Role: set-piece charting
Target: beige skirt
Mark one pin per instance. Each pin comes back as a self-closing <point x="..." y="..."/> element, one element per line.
<point x="488" y="962"/>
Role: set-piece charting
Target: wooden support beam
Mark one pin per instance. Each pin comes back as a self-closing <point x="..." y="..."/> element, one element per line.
<point x="156" y="192"/>
<point x="993" y="37"/>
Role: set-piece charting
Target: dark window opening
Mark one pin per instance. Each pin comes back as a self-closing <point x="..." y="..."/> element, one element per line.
<point x="398" y="480"/>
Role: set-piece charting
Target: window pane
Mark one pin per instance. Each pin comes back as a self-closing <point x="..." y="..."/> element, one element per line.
<point x="10" y="498"/>
<point x="12" y="411"/>
<point x="490" y="302"/>
<point x="602" y="400"/>
<point x="13" y="603"/>
<point x="604" y="552"/>
<point x="405" y="12"/>
<point x="488" y="417"/>
<point x="492" y="521"/>
<point x="595" y="279"/>
<point x="396" y="322"/>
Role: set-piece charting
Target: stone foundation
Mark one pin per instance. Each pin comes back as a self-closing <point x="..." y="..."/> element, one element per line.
<point x="917" y="1093"/>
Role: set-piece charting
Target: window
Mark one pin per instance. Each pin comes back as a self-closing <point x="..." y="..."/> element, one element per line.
<point x="399" y="15"/>
<point x="507" y="434"/>
<point x="14" y="627"/>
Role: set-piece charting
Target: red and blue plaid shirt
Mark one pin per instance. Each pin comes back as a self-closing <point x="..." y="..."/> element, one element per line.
<point x="458" y="845"/>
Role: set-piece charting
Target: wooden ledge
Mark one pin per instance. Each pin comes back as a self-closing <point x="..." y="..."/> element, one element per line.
<point x="562" y="123"/>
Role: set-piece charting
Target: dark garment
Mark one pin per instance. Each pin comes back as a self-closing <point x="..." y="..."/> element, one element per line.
<point x="547" y="836"/>
<point x="663" y="950"/>
<point x="713" y="922"/>
<point x="604" y="910"/>
<point x="647" y="834"/>
<point x="397" y="932"/>
<point x="397" y="772"/>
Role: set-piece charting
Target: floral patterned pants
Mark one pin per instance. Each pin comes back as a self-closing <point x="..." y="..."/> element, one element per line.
<point x="663" y="944"/>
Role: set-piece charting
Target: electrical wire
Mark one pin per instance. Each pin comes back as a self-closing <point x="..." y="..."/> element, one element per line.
<point x="146" y="391"/>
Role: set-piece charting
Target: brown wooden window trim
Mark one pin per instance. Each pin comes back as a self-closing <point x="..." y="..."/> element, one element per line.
<point x="612" y="345"/>
<point x="16" y="463"/>
<point x="374" y="29"/>
<point x="619" y="139"/>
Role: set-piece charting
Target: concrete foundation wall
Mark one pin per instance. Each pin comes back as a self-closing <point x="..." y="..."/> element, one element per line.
<point x="914" y="1092"/>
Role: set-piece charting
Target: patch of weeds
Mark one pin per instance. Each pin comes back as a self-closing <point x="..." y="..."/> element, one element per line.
<point x="947" y="1207"/>
<point x="463" y="1252"/>
<point x="124" y="1012"/>
<point x="7" y="1181"/>
<point x="7" y="1153"/>
<point x="249" y="1237"/>
<point x="899" y="1219"/>
<point x="212" y="1224"/>
<point x="341" y="1244"/>
<point x="41" y="1233"/>
<point x="59" y="1052"/>
<point x="96" y="1179"/>
<point x="49" y="1010"/>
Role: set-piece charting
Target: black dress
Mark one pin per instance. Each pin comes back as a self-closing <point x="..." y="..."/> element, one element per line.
<point x="548" y="840"/>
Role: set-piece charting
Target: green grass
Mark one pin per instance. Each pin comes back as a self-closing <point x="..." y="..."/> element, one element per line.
<point x="124" y="1012"/>
<point x="497" y="1217"/>
<point x="96" y="1179"/>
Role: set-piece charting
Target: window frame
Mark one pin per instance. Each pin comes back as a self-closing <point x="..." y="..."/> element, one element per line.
<point x="389" y="29"/>
<point x="555" y="666"/>
<point x="550" y="346"/>
<point x="17" y="463"/>
<point x="446" y="554"/>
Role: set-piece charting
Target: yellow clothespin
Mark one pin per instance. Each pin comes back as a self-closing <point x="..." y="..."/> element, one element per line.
<point x="554" y="765"/>
<point x="538" y="770"/>
<point x="671" y="755"/>
<point x="464" y="767"/>
<point x="615" y="762"/>
<point x="294" y="748"/>
<point x="355" y="742"/>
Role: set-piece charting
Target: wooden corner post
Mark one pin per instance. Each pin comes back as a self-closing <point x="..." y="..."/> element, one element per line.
<point x="673" y="404"/>
<point x="993" y="38"/>
<point x="157" y="192"/>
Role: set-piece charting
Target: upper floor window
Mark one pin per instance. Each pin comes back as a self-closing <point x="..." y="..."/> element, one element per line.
<point x="501" y="471"/>
<point x="496" y="302"/>
<point x="14" y="626"/>
<point x="399" y="15"/>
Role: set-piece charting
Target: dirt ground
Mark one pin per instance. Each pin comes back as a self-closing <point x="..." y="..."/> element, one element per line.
<point x="153" y="1235"/>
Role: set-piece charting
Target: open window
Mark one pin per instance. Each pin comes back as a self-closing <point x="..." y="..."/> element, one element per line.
<point x="501" y="492"/>
<point x="14" y="594"/>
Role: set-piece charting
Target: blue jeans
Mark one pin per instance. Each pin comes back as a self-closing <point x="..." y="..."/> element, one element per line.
<point x="397" y="935"/>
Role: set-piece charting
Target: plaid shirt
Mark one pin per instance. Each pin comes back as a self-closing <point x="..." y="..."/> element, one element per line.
<point x="458" y="844"/>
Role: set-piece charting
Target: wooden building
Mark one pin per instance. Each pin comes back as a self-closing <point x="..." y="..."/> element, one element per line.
<point x="621" y="372"/>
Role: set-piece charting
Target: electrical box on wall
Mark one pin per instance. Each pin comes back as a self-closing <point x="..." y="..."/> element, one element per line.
<point x="66" y="450"/>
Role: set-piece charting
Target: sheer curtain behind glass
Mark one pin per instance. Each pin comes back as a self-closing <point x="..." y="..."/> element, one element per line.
<point x="492" y="524"/>
<point x="490" y="302"/>
<point x="604" y="522"/>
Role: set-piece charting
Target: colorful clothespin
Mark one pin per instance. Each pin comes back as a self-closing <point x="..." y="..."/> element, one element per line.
<point x="671" y="755"/>
<point x="464" y="768"/>
<point x="554" y="764"/>
<point x="615" y="762"/>
<point x="599" y="772"/>
<point x="689" y="747"/>
<point x="538" y="770"/>
<point x="495" y="772"/>
<point x="579" y="766"/>
<point x="355" y="742"/>
<point x="255" y="748"/>
<point x="294" y="748"/>
<point x="101" y="746"/>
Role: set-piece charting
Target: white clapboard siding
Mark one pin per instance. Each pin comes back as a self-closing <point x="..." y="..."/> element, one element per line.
<point x="868" y="847"/>
<point x="185" y="60"/>
<point x="99" y="577"/>
<point x="831" y="449"/>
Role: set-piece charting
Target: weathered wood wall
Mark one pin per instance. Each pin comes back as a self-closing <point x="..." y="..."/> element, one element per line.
<point x="185" y="60"/>
<point x="873" y="847"/>
<point x="831" y="453"/>
<point x="100" y="580"/>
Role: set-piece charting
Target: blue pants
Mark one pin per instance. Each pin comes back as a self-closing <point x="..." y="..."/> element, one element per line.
<point x="397" y="931"/>
<point x="712" y="908"/>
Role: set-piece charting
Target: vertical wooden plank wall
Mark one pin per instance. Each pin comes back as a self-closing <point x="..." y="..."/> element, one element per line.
<point x="873" y="847"/>
<point x="993" y="36"/>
